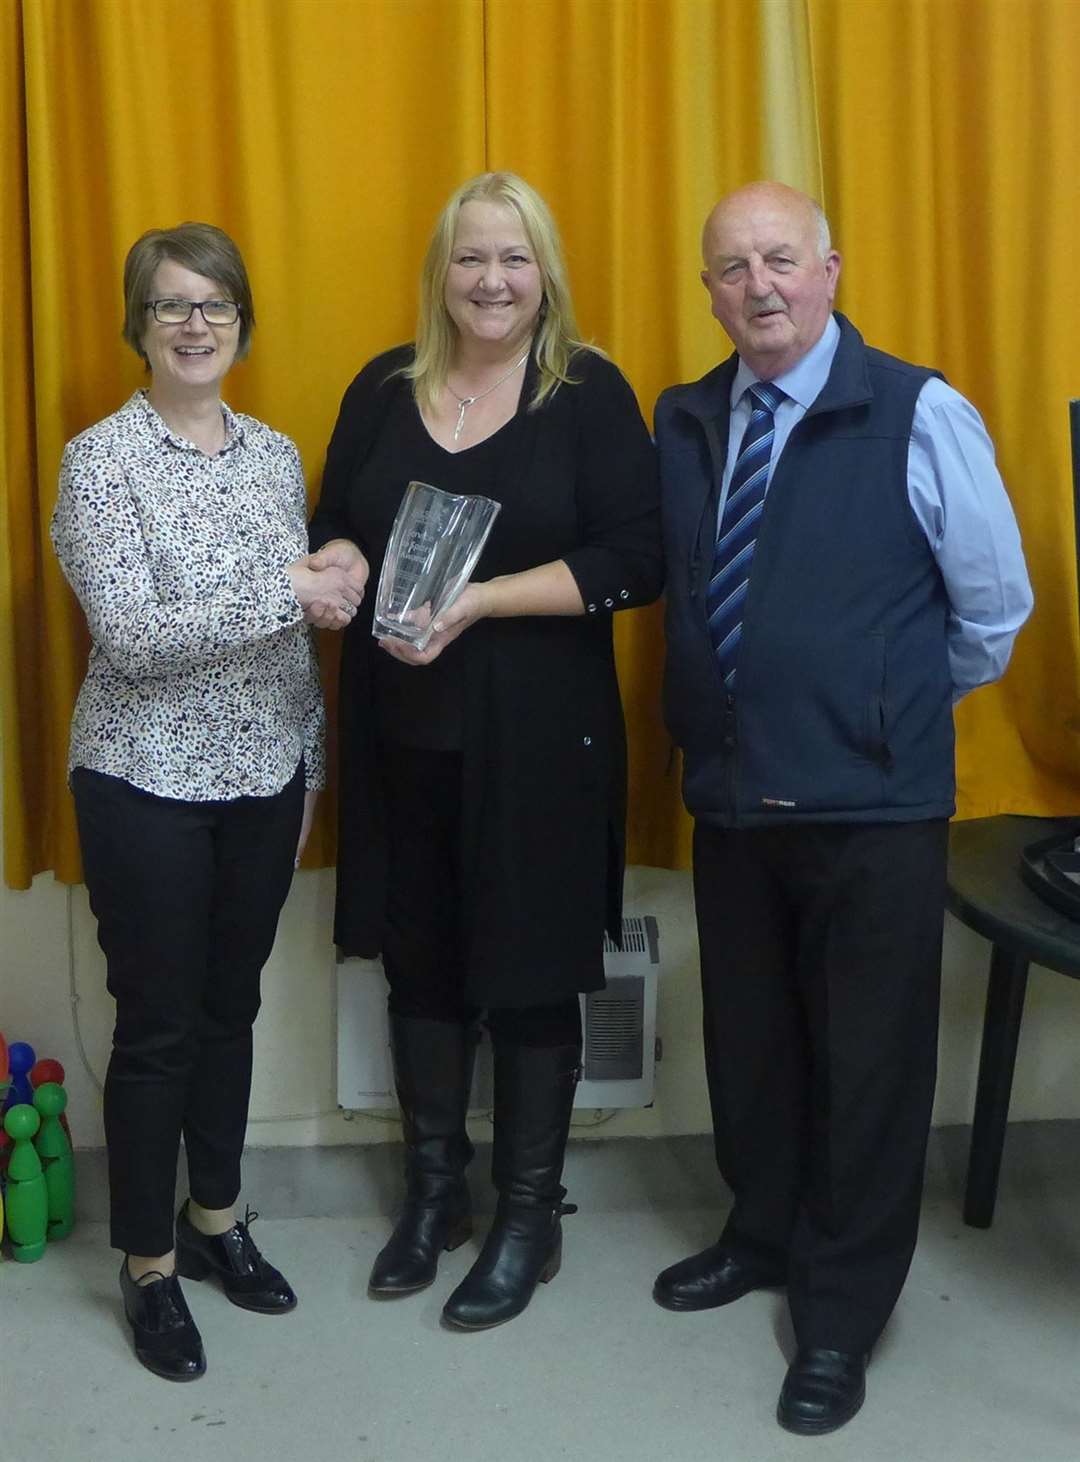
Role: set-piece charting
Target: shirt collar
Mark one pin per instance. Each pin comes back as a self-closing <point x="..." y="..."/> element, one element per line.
<point x="804" y="381"/>
<point x="156" y="427"/>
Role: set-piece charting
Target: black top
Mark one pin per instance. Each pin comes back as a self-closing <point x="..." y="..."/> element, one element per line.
<point x="417" y="706"/>
<point x="542" y="749"/>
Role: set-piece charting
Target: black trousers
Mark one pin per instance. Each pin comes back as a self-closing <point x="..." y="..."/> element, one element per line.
<point x="187" y="897"/>
<point x="821" y="971"/>
<point x="423" y="945"/>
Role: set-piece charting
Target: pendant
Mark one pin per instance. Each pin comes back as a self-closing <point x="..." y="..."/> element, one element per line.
<point x="462" y="403"/>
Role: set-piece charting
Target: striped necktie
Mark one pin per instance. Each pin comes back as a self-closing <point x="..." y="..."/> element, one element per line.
<point x="738" y="529"/>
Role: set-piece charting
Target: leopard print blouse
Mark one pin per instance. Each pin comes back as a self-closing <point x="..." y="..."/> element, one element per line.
<point x="202" y="682"/>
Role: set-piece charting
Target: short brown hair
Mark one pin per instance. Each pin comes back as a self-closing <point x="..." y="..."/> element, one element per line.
<point x="204" y="250"/>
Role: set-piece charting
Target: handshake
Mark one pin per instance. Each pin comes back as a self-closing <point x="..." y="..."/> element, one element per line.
<point x="330" y="584"/>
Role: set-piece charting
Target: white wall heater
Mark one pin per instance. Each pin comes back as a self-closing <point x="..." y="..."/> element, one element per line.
<point x="619" y="1026"/>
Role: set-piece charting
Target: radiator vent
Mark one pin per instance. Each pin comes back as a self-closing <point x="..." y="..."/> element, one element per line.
<point x="639" y="936"/>
<point x="614" y="1023"/>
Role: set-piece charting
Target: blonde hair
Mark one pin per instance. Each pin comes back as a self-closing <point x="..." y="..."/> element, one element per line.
<point x="556" y="337"/>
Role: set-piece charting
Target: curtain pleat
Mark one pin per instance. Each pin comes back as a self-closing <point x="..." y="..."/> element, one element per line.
<point x="28" y="791"/>
<point x="790" y="115"/>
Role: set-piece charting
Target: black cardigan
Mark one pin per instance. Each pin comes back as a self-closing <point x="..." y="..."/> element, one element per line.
<point x="544" y="762"/>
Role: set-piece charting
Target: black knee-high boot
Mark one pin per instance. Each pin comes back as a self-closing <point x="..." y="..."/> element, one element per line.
<point x="534" y="1095"/>
<point x="433" y="1066"/>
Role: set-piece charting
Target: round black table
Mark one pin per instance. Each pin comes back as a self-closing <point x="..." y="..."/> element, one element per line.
<point x="987" y="894"/>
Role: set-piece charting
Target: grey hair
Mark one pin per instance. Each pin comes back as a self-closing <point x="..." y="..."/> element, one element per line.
<point x="824" y="236"/>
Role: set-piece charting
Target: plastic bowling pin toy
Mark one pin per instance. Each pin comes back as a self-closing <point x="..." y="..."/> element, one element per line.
<point x="5" y="1140"/>
<point x="3" y="1134"/>
<point x="54" y="1150"/>
<point x="49" y="1070"/>
<point x="27" y="1198"/>
<point x="20" y="1059"/>
<point x="46" y="1070"/>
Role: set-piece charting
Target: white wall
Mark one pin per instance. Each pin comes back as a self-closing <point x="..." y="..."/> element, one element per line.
<point x="294" y="1099"/>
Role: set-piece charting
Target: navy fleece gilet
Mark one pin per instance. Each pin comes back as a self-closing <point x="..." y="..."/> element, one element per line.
<point x="843" y="703"/>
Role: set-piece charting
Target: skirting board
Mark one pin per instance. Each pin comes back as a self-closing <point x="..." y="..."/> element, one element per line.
<point x="619" y="1174"/>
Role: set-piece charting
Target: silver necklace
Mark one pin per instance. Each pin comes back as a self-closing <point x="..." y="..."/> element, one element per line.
<point x="464" y="402"/>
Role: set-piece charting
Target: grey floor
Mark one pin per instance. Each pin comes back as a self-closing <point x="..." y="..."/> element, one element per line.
<point x="981" y="1361"/>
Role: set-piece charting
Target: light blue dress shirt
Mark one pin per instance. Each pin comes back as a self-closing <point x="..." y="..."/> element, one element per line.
<point x="958" y="499"/>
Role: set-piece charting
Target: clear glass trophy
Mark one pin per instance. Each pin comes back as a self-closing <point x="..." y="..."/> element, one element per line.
<point x="436" y="540"/>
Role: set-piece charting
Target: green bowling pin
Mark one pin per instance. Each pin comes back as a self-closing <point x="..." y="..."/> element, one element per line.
<point x="54" y="1150"/>
<point x="27" y="1198"/>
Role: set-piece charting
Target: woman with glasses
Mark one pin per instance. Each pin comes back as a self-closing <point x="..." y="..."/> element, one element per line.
<point x="483" y="799"/>
<point x="196" y="754"/>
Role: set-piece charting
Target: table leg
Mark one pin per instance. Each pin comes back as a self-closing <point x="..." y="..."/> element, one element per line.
<point x="1001" y="1033"/>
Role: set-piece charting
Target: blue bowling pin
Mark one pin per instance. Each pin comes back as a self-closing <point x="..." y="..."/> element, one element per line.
<point x="20" y="1059"/>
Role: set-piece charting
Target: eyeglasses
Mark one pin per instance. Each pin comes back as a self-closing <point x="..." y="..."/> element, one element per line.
<point x="178" y="312"/>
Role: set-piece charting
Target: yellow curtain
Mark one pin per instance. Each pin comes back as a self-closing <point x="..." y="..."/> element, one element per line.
<point x="950" y="131"/>
<point x="321" y="134"/>
<point x="631" y="117"/>
<point x="24" y="734"/>
<point x="792" y="151"/>
<point x="325" y="134"/>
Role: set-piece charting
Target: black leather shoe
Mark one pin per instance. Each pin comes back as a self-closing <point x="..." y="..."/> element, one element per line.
<point x="714" y="1277"/>
<point x="823" y="1390"/>
<point x="166" y="1340"/>
<point x="232" y="1257"/>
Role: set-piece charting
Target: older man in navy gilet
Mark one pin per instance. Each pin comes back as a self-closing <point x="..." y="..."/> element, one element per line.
<point x="843" y="565"/>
